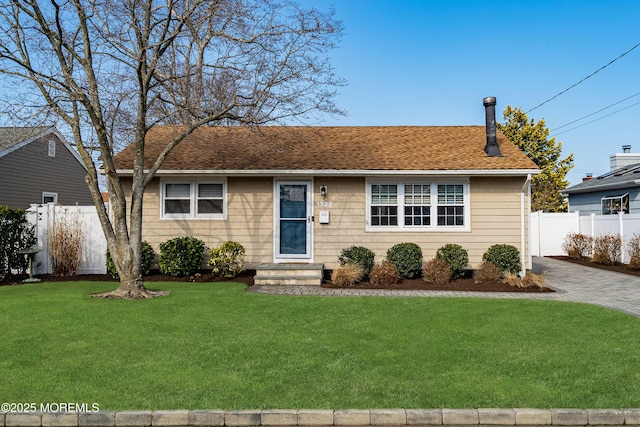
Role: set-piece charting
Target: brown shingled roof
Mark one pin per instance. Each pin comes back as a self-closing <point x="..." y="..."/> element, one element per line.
<point x="403" y="148"/>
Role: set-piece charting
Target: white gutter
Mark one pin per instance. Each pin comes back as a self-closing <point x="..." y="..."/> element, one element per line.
<point x="340" y="172"/>
<point x="523" y="213"/>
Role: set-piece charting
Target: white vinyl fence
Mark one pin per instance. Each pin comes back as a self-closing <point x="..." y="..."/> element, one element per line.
<point x="548" y="230"/>
<point x="44" y="217"/>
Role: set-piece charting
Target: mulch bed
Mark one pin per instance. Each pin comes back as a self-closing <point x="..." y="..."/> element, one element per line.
<point x="462" y="284"/>
<point x="620" y="268"/>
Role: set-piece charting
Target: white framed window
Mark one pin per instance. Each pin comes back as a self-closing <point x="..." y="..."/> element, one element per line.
<point x="415" y="205"/>
<point x="52" y="148"/>
<point x="384" y="205"/>
<point x="451" y="205"/>
<point x="612" y="205"/>
<point x="48" y="197"/>
<point x="193" y="199"/>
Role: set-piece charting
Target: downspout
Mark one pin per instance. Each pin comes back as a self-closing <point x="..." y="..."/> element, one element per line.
<point x="523" y="213"/>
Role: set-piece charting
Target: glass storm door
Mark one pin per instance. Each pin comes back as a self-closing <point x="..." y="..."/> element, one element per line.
<point x="293" y="228"/>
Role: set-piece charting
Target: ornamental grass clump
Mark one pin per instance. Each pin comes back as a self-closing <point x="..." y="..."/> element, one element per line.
<point x="530" y="280"/>
<point x="505" y="257"/>
<point x="65" y="239"/>
<point x="359" y="255"/>
<point x="347" y="275"/>
<point x="407" y="257"/>
<point x="384" y="273"/>
<point x="457" y="258"/>
<point x="436" y="271"/>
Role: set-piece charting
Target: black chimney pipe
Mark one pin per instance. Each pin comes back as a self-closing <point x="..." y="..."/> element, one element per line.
<point x="492" y="149"/>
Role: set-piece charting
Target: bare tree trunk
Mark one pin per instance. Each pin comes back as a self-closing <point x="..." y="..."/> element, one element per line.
<point x="111" y="70"/>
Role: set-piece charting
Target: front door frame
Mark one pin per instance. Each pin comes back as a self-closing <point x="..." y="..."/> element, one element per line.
<point x="283" y="258"/>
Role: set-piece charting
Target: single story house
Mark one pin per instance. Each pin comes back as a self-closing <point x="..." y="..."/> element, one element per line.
<point x="302" y="194"/>
<point x="611" y="193"/>
<point x="38" y="166"/>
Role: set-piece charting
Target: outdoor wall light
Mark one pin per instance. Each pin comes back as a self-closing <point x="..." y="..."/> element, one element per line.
<point x="323" y="191"/>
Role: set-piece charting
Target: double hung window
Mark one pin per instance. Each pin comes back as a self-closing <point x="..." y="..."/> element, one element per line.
<point x="193" y="200"/>
<point x="417" y="205"/>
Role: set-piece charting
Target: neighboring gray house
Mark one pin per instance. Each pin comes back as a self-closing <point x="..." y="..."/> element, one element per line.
<point x="38" y="166"/>
<point x="616" y="191"/>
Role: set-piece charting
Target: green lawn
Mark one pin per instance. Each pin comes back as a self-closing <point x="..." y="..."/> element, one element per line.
<point x="215" y="346"/>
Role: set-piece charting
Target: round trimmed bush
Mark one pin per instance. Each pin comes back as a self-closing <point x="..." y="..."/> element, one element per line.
<point x="358" y="255"/>
<point x="181" y="256"/>
<point x="407" y="257"/>
<point x="457" y="258"/>
<point x="505" y="257"/>
<point x="145" y="264"/>
<point x="227" y="260"/>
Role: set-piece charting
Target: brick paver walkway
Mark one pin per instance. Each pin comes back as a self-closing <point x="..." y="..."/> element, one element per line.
<point x="572" y="282"/>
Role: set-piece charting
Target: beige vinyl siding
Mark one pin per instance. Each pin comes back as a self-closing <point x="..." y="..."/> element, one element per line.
<point x="495" y="218"/>
<point x="249" y="219"/>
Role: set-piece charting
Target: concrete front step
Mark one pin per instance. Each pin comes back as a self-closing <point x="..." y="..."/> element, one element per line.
<point x="289" y="274"/>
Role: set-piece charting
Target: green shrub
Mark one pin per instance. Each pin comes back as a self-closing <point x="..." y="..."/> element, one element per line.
<point x="16" y="234"/>
<point x="359" y="255"/>
<point x="457" y="258"/>
<point x="407" y="257"/>
<point x="145" y="264"/>
<point x="384" y="273"/>
<point x="181" y="256"/>
<point x="227" y="259"/>
<point x="505" y="257"/>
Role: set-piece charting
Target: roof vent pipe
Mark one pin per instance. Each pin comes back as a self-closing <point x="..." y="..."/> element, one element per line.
<point x="626" y="148"/>
<point x="492" y="149"/>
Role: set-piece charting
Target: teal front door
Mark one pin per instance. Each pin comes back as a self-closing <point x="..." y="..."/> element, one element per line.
<point x="293" y="221"/>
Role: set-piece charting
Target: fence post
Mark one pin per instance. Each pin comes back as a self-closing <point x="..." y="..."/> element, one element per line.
<point x="621" y="228"/>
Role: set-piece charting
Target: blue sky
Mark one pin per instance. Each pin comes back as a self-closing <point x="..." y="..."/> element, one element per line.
<point x="411" y="62"/>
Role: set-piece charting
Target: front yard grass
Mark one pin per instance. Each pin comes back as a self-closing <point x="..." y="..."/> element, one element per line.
<point x="215" y="346"/>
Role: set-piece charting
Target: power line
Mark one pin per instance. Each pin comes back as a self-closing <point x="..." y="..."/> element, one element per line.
<point x="599" y="118"/>
<point x="589" y="76"/>
<point x="596" y="112"/>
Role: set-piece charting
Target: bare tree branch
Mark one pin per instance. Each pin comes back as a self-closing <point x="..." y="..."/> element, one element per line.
<point x="110" y="70"/>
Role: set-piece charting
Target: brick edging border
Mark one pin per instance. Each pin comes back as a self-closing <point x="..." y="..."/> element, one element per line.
<point x="315" y="417"/>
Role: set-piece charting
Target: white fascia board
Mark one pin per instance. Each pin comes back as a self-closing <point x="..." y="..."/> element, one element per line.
<point x="604" y="187"/>
<point x="340" y="172"/>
